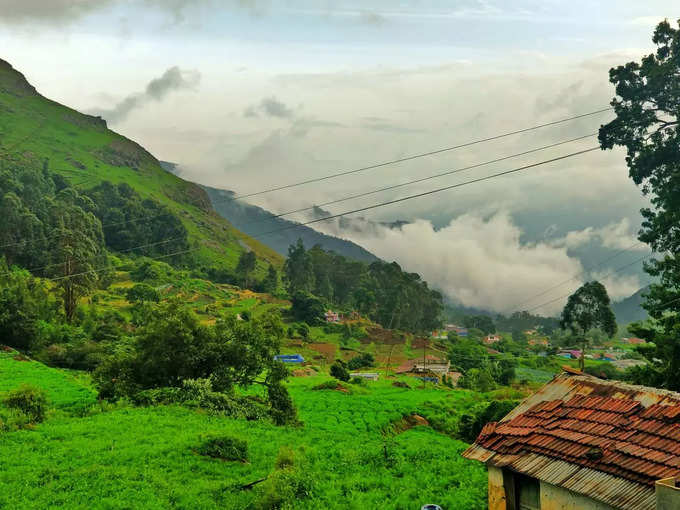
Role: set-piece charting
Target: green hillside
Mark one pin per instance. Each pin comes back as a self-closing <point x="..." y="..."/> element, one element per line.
<point x="82" y="149"/>
<point x="146" y="457"/>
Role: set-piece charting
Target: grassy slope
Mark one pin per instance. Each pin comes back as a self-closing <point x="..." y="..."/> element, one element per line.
<point x="144" y="457"/>
<point x="81" y="148"/>
<point x="64" y="391"/>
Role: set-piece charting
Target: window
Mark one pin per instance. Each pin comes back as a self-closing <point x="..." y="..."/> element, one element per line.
<point x="528" y="493"/>
<point x="521" y="492"/>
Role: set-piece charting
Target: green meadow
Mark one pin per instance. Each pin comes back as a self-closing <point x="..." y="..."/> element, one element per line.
<point x="120" y="456"/>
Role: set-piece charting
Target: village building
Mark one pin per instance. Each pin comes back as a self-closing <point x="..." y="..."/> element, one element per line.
<point x="332" y="316"/>
<point x="369" y="376"/>
<point x="585" y="443"/>
<point x="570" y="354"/>
<point x="491" y="339"/>
<point x="433" y="365"/>
<point x="539" y="341"/>
<point x="623" y="364"/>
<point x="289" y="358"/>
<point x="458" y="330"/>
<point x="633" y="341"/>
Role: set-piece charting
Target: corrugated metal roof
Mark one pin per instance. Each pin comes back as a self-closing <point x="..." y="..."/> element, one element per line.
<point x="608" y="440"/>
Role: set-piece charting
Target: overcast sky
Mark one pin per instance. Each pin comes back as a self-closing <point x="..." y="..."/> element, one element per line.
<point x="247" y="94"/>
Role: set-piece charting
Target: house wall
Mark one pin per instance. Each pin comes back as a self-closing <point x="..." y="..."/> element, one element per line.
<point x="667" y="494"/>
<point x="496" y="489"/>
<point x="557" y="498"/>
<point x="552" y="497"/>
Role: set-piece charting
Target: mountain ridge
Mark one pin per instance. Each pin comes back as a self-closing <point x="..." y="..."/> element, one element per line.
<point x="82" y="149"/>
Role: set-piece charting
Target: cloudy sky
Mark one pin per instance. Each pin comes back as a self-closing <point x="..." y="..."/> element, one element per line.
<point x="249" y="94"/>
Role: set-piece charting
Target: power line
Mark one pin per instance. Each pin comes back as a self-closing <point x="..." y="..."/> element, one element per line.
<point x="431" y="192"/>
<point x="449" y="172"/>
<point x="99" y="270"/>
<point x="92" y="258"/>
<point x="416" y="156"/>
<point x="577" y="275"/>
<point x="378" y="165"/>
<point x="605" y="276"/>
<point x="507" y="172"/>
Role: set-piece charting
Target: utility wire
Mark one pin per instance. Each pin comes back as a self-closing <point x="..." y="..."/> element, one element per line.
<point x="426" y="193"/>
<point x="107" y="268"/>
<point x="374" y="206"/>
<point x="378" y="165"/>
<point x="449" y="172"/>
<point x="577" y="275"/>
<point x="605" y="276"/>
<point x="416" y="156"/>
<point x="33" y="269"/>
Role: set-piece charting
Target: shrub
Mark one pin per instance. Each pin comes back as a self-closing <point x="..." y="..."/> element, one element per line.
<point x="141" y="292"/>
<point x="339" y="371"/>
<point x="288" y="484"/>
<point x="225" y="448"/>
<point x="471" y="424"/>
<point x="358" y="380"/>
<point x="363" y="360"/>
<point x="327" y="385"/>
<point x="29" y="400"/>
<point x="282" y="410"/>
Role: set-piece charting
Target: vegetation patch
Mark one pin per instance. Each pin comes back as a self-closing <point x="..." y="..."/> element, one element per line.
<point x="225" y="448"/>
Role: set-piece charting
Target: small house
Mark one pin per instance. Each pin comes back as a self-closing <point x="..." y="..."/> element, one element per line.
<point x="289" y="358"/>
<point x="633" y="341"/>
<point x="430" y="364"/>
<point x="584" y="443"/>
<point x="332" y="316"/>
<point x="491" y="339"/>
<point x="458" y="330"/>
<point x="370" y="376"/>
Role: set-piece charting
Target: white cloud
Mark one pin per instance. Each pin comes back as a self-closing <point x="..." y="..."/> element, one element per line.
<point x="618" y="235"/>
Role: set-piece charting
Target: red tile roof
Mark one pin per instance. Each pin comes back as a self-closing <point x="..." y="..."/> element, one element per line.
<point x="630" y="433"/>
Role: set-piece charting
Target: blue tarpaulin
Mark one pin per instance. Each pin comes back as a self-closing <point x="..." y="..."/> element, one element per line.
<point x="289" y="358"/>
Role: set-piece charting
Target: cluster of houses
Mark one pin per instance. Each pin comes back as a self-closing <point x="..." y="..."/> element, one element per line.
<point x="430" y="367"/>
<point x="450" y="328"/>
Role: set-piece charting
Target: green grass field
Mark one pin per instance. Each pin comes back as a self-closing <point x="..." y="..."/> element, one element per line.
<point x="65" y="391"/>
<point x="130" y="457"/>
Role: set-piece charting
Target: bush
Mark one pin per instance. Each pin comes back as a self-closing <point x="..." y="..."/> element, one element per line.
<point x="471" y="424"/>
<point x="358" y="381"/>
<point x="288" y="484"/>
<point x="363" y="360"/>
<point x="29" y="400"/>
<point x="142" y="292"/>
<point x="327" y="385"/>
<point x="339" y="371"/>
<point x="199" y="393"/>
<point x="225" y="448"/>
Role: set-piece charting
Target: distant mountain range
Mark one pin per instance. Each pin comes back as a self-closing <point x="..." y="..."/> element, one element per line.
<point x="630" y="309"/>
<point x="254" y="220"/>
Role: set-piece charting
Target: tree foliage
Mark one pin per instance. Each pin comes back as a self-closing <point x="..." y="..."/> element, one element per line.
<point x="131" y="221"/>
<point x="381" y="291"/>
<point x="647" y="110"/>
<point x="588" y="308"/>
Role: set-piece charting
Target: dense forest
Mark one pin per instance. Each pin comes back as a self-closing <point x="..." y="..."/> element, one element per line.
<point x="381" y="291"/>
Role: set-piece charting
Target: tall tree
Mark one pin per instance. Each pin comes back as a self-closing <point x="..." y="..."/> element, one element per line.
<point x="271" y="281"/>
<point x="298" y="269"/>
<point x="586" y="309"/>
<point x="246" y="265"/>
<point x="647" y="110"/>
<point x="78" y="253"/>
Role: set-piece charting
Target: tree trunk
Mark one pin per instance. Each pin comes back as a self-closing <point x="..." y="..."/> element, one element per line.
<point x="582" y="359"/>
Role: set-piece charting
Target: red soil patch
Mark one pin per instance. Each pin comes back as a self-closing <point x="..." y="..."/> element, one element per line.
<point x="21" y="357"/>
<point x="6" y="348"/>
<point x="326" y="350"/>
<point x="382" y="336"/>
